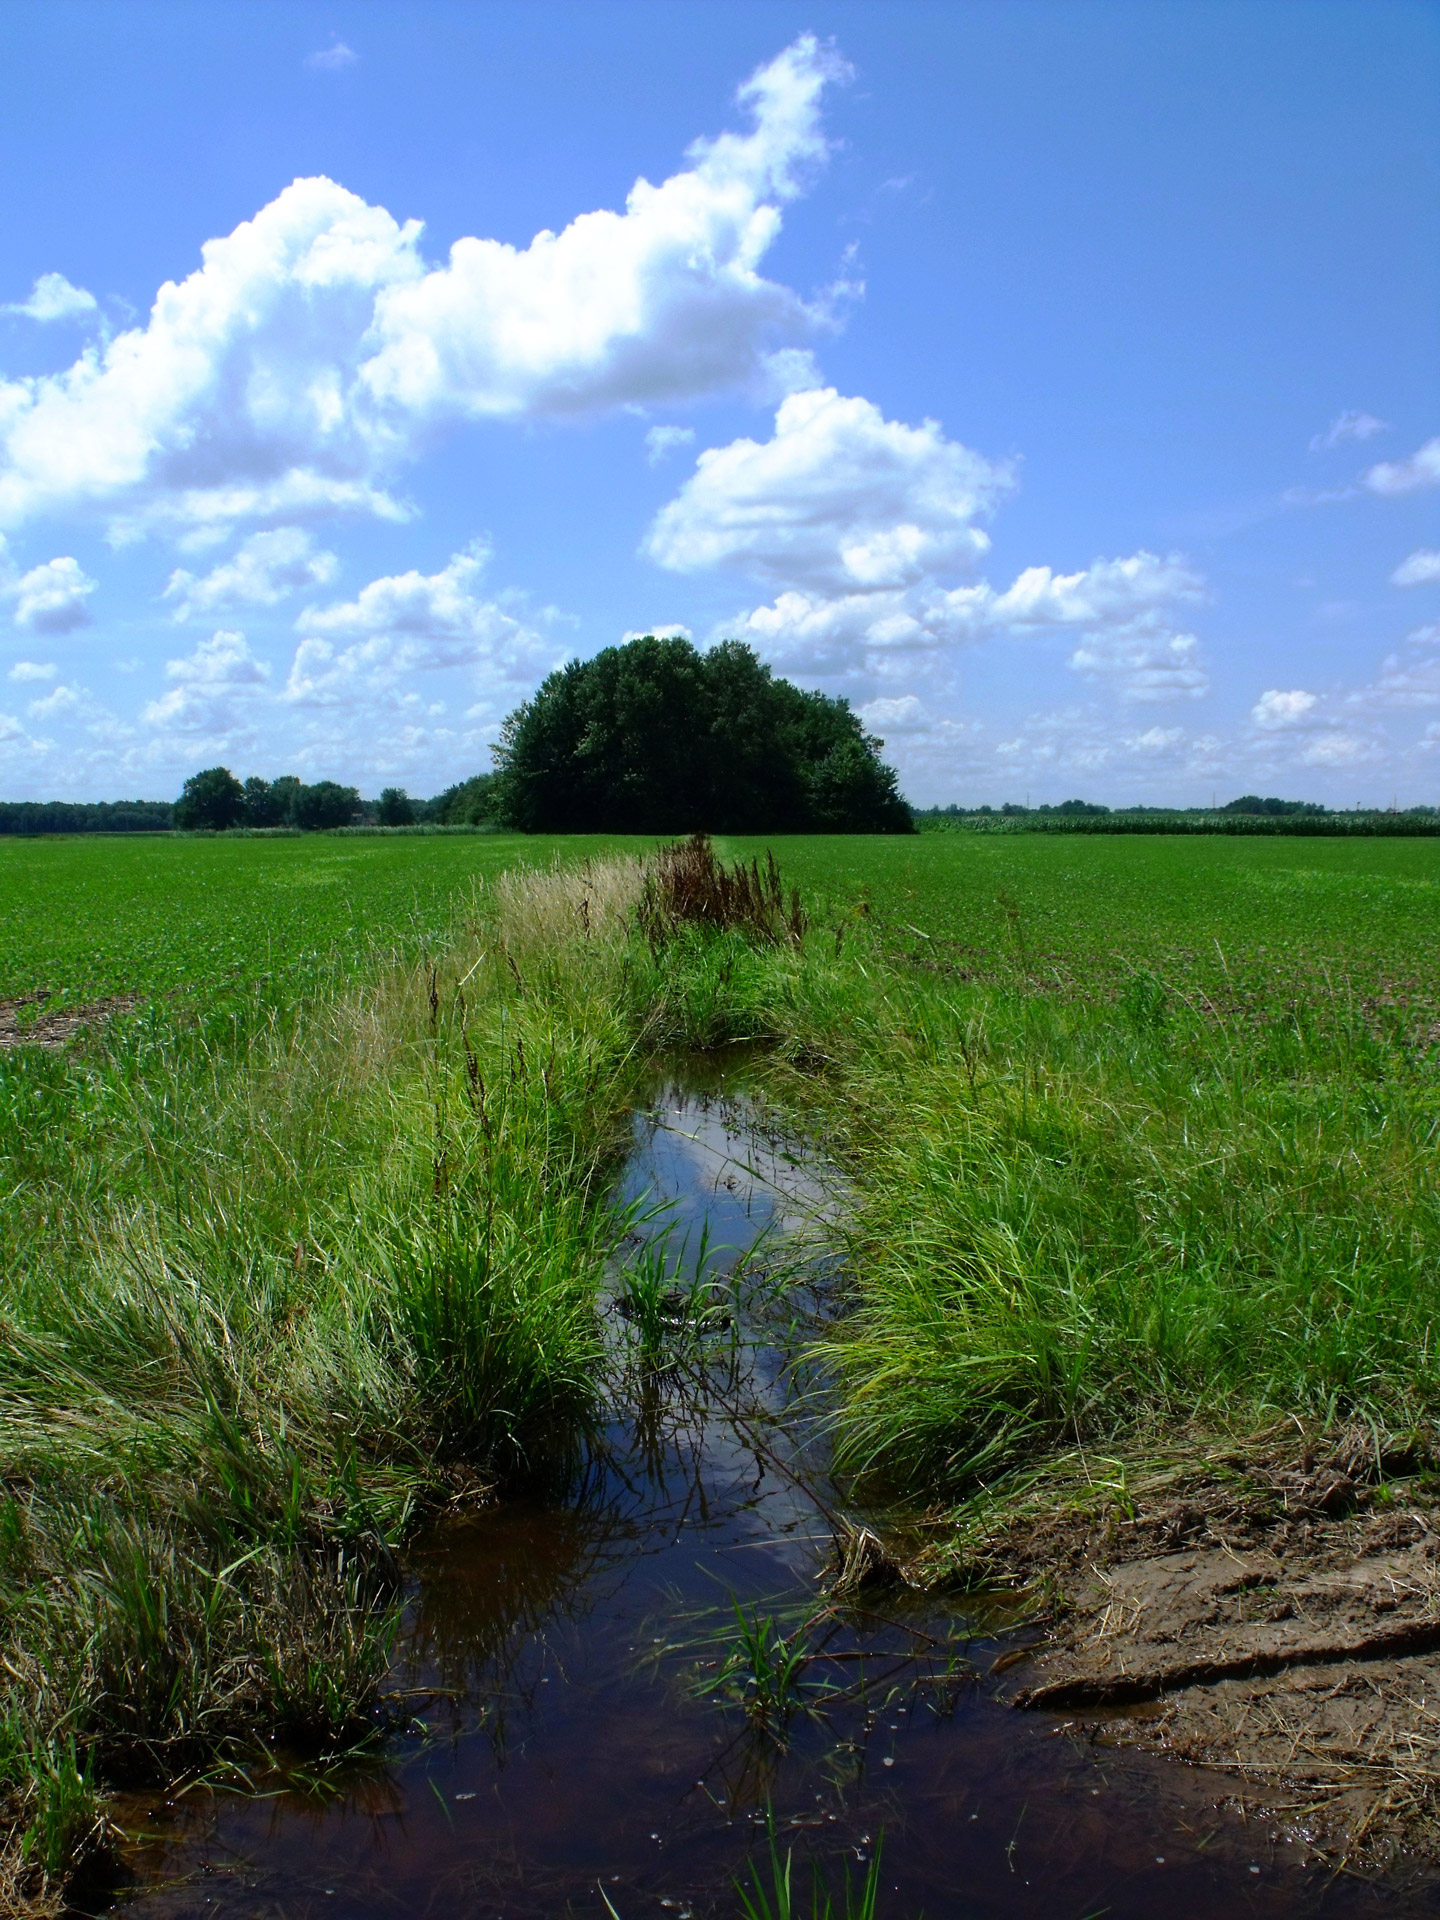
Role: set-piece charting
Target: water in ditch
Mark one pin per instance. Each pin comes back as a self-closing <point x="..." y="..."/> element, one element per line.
<point x="579" y="1745"/>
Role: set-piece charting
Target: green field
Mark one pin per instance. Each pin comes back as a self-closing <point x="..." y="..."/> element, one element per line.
<point x="1140" y="1139"/>
<point x="92" y="915"/>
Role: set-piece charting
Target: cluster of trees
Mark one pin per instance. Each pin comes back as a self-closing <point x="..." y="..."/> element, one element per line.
<point x="657" y="737"/>
<point x="215" y="799"/>
<point x="650" y="737"/>
<point x="78" y="816"/>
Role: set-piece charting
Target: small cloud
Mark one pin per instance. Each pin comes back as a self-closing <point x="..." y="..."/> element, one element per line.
<point x="660" y="441"/>
<point x="332" y="59"/>
<point x="902" y="714"/>
<point x="1422" y="469"/>
<point x="674" y="631"/>
<point x="53" y="298"/>
<point x="1315" y="496"/>
<point x="1351" y="425"/>
<point x="1422" y="569"/>
<point x="790" y="370"/>
<point x="264" y="569"/>
<point x="30" y="670"/>
<point x="51" y="598"/>
<point x="62" y="700"/>
<point x="1339" y="750"/>
<point x="1276" y="710"/>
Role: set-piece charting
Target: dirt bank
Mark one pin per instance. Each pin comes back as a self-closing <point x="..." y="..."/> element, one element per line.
<point x="1275" y="1616"/>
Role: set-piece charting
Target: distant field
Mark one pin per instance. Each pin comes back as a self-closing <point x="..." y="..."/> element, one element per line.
<point x="86" y="916"/>
<point x="1094" y="906"/>
<point x="89" y="916"/>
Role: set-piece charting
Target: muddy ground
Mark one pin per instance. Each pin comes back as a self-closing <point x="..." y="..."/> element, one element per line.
<point x="20" y="1027"/>
<point x="1273" y="1613"/>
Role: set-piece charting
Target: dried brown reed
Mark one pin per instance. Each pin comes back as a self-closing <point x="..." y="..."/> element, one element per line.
<point x="688" y="887"/>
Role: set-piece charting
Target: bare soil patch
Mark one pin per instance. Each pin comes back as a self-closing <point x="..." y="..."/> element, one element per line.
<point x="53" y="1030"/>
<point x="1275" y="1617"/>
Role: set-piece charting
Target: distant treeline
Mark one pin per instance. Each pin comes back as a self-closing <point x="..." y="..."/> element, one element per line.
<point x="650" y="737"/>
<point x="216" y="801"/>
<point x="1249" y="815"/>
<point x="71" y="816"/>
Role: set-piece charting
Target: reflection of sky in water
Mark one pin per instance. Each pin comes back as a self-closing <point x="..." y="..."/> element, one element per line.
<point x="700" y="1156"/>
<point x="564" y="1751"/>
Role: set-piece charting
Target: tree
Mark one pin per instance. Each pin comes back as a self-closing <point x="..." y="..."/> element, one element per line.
<point x="212" y="799"/>
<point x="657" y="737"/>
<point x="263" y="806"/>
<point x="470" y="804"/>
<point x="326" y="804"/>
<point x="395" y="808"/>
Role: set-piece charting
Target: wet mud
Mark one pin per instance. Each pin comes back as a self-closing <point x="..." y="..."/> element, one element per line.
<point x="616" y="1693"/>
<point x="1294" y="1639"/>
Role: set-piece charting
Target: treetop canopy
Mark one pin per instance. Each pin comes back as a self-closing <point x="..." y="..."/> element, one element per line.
<point x="657" y="737"/>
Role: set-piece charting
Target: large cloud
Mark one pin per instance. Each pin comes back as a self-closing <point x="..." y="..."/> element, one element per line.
<point x="300" y="364"/>
<point x="839" y="500"/>
<point x="858" y="521"/>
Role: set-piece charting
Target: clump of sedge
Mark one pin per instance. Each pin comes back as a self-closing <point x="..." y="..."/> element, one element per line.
<point x="688" y="887"/>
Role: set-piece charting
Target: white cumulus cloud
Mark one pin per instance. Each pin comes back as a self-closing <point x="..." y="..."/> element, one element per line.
<point x="858" y="520"/>
<point x="32" y="670"/>
<point x="53" y="298"/>
<point x="51" y="598"/>
<point x="1277" y="709"/>
<point x="214" y="688"/>
<point x="358" y="649"/>
<point x="262" y="572"/>
<point x="300" y="364"/>
<point x="840" y="499"/>
<point x="1421" y="569"/>
<point x="1422" y="469"/>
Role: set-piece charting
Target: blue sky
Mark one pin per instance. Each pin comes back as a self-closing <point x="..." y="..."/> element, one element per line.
<point x="1059" y="382"/>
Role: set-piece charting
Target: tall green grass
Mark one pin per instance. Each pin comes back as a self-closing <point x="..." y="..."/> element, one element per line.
<point x="1083" y="1217"/>
<point x="267" y="1294"/>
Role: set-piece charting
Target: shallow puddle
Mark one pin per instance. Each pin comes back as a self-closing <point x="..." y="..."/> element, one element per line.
<point x="566" y="1753"/>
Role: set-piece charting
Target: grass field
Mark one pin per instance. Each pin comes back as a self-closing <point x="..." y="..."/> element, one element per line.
<point x="1141" y="1137"/>
<point x="91" y="915"/>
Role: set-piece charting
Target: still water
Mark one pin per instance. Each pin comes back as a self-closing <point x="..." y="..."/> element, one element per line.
<point x="565" y="1757"/>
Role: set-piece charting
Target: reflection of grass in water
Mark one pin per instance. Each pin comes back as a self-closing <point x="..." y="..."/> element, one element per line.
<point x="770" y="1896"/>
<point x="773" y="1665"/>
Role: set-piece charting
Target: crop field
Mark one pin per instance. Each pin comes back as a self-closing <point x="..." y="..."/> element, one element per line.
<point x="1139" y="1139"/>
<point x="1368" y="909"/>
<point x="90" y="915"/>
